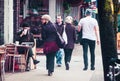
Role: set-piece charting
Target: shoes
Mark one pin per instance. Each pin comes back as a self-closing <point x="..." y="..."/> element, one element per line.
<point x="85" y="68"/>
<point x="67" y="66"/>
<point x="36" y="62"/>
<point x="92" y="68"/>
<point x="27" y="69"/>
<point x="49" y="73"/>
<point x="58" y="65"/>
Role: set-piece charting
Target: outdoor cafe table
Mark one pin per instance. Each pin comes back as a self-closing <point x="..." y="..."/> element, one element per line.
<point x="24" y="47"/>
<point x="25" y="52"/>
<point x="32" y="66"/>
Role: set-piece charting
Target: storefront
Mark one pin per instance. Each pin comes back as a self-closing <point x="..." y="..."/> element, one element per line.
<point x="32" y="10"/>
<point x="15" y="11"/>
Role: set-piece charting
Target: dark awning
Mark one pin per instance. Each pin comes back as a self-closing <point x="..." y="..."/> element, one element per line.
<point x="74" y="2"/>
<point x="87" y="0"/>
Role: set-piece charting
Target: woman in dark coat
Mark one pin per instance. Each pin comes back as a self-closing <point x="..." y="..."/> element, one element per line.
<point x="49" y="38"/>
<point x="71" y="37"/>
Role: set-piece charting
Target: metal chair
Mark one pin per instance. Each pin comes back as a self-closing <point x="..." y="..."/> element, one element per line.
<point x="15" y="58"/>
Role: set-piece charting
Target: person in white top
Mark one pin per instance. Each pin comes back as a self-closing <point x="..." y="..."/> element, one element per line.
<point x="89" y="27"/>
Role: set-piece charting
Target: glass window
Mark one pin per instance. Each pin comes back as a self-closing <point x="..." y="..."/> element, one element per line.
<point x="39" y="7"/>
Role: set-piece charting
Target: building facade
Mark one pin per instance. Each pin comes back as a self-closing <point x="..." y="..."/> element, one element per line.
<point x="1" y="21"/>
<point x="14" y="11"/>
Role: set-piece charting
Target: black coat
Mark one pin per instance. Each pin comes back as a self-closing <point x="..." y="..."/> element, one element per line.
<point x="71" y="36"/>
<point x="48" y="32"/>
<point x="25" y="38"/>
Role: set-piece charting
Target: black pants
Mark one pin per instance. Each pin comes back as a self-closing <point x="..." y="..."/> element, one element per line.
<point x="30" y="54"/>
<point x="68" y="54"/>
<point x="50" y="57"/>
<point x="91" y="44"/>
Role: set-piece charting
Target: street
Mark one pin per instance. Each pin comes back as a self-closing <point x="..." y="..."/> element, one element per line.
<point x="75" y="73"/>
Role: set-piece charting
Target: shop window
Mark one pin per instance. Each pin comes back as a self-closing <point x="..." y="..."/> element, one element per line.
<point x="35" y="8"/>
<point x="39" y="6"/>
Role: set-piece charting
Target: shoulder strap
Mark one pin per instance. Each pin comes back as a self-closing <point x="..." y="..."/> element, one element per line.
<point x="55" y="27"/>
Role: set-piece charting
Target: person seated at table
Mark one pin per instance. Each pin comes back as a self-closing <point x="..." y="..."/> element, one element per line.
<point x="26" y="36"/>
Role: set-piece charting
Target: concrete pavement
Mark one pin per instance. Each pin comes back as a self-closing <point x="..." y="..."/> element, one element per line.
<point x="74" y="74"/>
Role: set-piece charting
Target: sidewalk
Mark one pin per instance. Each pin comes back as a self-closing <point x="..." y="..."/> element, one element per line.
<point x="74" y="74"/>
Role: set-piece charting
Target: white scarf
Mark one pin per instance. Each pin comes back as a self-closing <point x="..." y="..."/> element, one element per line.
<point x="64" y="35"/>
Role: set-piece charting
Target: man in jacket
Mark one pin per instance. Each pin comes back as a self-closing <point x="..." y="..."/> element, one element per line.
<point x="59" y="26"/>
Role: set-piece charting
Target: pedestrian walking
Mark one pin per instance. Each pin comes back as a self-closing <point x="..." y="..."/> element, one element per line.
<point x="59" y="26"/>
<point x="26" y="36"/>
<point x="70" y="39"/>
<point x="89" y="27"/>
<point x="50" y="47"/>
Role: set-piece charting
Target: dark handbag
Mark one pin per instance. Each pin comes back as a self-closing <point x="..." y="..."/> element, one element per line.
<point x="50" y="47"/>
<point x="60" y="41"/>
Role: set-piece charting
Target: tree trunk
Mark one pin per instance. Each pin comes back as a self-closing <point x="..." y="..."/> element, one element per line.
<point x="116" y="10"/>
<point x="108" y="43"/>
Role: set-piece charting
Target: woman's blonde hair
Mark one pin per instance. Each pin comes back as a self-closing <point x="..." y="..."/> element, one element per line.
<point x="46" y="17"/>
<point x="68" y="19"/>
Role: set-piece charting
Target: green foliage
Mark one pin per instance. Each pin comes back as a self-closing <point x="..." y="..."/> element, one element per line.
<point x="108" y="6"/>
<point x="108" y="10"/>
<point x="67" y="7"/>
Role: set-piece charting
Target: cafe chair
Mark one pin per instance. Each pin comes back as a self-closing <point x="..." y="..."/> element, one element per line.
<point x="2" y="61"/>
<point x="15" y="60"/>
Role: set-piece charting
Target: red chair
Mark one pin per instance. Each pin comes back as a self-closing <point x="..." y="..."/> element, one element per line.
<point x="14" y="58"/>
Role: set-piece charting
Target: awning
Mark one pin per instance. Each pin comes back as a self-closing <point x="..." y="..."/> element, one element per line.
<point x="74" y="2"/>
<point x="87" y="0"/>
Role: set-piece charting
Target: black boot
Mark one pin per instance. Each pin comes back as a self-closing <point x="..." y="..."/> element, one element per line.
<point x="85" y="68"/>
<point x="49" y="73"/>
<point x="35" y="62"/>
<point x="27" y="66"/>
<point x="67" y="66"/>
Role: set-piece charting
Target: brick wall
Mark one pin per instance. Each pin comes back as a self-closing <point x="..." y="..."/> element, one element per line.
<point x="1" y="22"/>
<point x="16" y="7"/>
